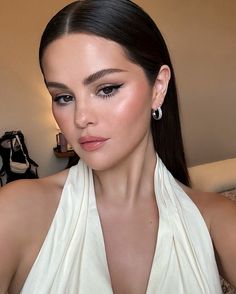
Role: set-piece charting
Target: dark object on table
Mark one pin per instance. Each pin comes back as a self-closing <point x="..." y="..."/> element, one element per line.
<point x="70" y="154"/>
<point x="16" y="162"/>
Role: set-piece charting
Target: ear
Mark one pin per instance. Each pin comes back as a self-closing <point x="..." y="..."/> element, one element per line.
<point x="161" y="86"/>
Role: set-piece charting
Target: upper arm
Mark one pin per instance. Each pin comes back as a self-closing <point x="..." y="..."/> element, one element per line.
<point x="219" y="214"/>
<point x="27" y="208"/>
<point x="10" y="248"/>
<point x="223" y="233"/>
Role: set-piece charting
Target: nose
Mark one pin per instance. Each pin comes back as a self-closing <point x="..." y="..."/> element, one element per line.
<point x="83" y="115"/>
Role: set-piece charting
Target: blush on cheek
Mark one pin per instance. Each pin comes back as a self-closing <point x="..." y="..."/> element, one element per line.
<point x="135" y="106"/>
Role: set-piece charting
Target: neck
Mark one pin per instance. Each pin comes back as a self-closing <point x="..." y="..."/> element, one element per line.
<point x="129" y="180"/>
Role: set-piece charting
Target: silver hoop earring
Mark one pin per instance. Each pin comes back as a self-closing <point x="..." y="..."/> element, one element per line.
<point x="155" y="115"/>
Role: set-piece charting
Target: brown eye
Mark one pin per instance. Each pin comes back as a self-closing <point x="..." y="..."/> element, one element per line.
<point x="109" y="91"/>
<point x="63" y="99"/>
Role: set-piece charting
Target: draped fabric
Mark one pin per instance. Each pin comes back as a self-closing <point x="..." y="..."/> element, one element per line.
<point x="73" y="259"/>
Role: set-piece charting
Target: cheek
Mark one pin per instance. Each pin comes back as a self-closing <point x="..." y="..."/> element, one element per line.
<point x="62" y="117"/>
<point x="135" y="109"/>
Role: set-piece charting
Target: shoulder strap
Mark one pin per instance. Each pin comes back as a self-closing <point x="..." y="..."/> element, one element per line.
<point x="24" y="148"/>
<point x="19" y="142"/>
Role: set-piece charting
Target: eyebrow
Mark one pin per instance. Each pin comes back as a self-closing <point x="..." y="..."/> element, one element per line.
<point x="90" y="79"/>
<point x="100" y="74"/>
<point x="56" y="85"/>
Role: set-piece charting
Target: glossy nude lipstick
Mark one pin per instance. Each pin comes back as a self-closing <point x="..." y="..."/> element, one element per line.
<point x="90" y="143"/>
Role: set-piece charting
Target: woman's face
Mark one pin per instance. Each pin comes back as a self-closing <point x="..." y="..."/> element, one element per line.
<point x="101" y="101"/>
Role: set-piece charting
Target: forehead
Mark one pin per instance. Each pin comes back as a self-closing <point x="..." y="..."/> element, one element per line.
<point x="83" y="50"/>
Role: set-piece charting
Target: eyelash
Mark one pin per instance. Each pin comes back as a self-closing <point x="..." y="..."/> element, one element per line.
<point x="66" y="98"/>
<point x="114" y="89"/>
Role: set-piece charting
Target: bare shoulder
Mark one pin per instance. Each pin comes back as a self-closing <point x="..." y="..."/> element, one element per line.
<point x="27" y="208"/>
<point x="17" y="197"/>
<point x="220" y="216"/>
<point x="211" y="205"/>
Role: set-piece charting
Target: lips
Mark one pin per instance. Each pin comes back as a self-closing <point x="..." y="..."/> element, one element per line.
<point x="90" y="143"/>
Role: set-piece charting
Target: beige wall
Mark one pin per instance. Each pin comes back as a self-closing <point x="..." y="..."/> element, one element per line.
<point x="201" y="36"/>
<point x="24" y="101"/>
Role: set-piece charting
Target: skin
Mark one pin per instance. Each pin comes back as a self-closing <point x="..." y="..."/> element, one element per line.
<point x="128" y="213"/>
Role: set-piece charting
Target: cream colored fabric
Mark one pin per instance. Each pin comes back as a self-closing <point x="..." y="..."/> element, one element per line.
<point x="72" y="259"/>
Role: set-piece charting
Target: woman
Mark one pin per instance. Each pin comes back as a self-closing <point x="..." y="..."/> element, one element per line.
<point x="119" y="221"/>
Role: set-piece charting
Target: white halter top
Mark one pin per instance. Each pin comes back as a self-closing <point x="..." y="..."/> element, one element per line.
<point x="73" y="260"/>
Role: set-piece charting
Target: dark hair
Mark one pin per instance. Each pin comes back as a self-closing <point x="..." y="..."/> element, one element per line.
<point x="126" y="23"/>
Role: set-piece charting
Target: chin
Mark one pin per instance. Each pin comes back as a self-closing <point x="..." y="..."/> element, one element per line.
<point x="103" y="160"/>
<point x="97" y="162"/>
